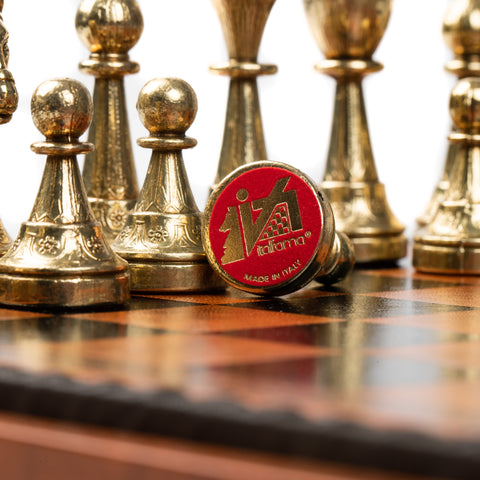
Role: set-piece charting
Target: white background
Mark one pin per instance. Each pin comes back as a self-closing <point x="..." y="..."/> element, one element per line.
<point x="407" y="102"/>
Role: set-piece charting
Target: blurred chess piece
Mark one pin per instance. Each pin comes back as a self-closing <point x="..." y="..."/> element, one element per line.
<point x="162" y="237"/>
<point x="348" y="32"/>
<point x="450" y="243"/>
<point x="110" y="28"/>
<point x="60" y="257"/>
<point x="8" y="104"/>
<point x="461" y="32"/>
<point x="243" y="23"/>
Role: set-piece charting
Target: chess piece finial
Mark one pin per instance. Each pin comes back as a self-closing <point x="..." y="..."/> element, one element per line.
<point x="243" y="23"/>
<point x="461" y="33"/>
<point x="348" y="32"/>
<point x="110" y="28"/>
<point x="162" y="237"/>
<point x="60" y="257"/>
<point x="8" y="104"/>
<point x="450" y="243"/>
<point x="268" y="230"/>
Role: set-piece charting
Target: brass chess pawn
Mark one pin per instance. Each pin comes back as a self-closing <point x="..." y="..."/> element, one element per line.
<point x="162" y="237"/>
<point x="243" y="23"/>
<point x="450" y="243"/>
<point x="348" y="32"/>
<point x="110" y="28"/>
<point x="60" y="257"/>
<point x="8" y="104"/>
<point x="461" y="32"/>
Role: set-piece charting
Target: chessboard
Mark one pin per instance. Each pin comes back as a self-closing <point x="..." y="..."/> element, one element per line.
<point x="380" y="371"/>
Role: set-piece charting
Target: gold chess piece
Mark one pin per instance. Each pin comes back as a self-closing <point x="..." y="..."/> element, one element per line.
<point x="450" y="243"/>
<point x="461" y="33"/>
<point x="162" y="236"/>
<point x="243" y="23"/>
<point x="8" y="104"/>
<point x="110" y="28"/>
<point x="348" y="32"/>
<point x="60" y="257"/>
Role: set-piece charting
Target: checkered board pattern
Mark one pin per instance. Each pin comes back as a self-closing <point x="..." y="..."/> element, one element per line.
<point x="381" y="370"/>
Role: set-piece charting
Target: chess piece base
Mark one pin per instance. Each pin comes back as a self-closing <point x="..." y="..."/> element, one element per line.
<point x="455" y="257"/>
<point x="362" y="212"/>
<point x="173" y="277"/>
<point x="379" y="249"/>
<point x="68" y="291"/>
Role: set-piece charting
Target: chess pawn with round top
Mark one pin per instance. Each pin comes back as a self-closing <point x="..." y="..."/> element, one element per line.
<point x="110" y="28"/>
<point x="162" y="237"/>
<point x="461" y="32"/>
<point x="450" y="243"/>
<point x="348" y="32"/>
<point x="8" y="104"/>
<point x="243" y="23"/>
<point x="60" y="257"/>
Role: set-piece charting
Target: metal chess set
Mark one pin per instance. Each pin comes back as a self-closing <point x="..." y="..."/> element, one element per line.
<point x="69" y="250"/>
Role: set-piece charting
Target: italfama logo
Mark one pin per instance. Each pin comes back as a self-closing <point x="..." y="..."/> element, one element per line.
<point x="272" y="246"/>
<point x="267" y="224"/>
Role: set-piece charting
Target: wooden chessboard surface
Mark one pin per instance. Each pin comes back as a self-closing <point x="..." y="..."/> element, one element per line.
<point x="380" y="371"/>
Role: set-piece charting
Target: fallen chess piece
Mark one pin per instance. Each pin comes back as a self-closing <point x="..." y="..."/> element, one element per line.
<point x="269" y="230"/>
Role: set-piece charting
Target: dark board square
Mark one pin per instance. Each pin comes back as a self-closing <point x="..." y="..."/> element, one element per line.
<point x="359" y="282"/>
<point x="350" y="307"/>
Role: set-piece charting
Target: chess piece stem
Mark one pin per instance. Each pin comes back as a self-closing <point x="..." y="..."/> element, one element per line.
<point x="109" y="172"/>
<point x="243" y="23"/>
<point x="461" y="33"/>
<point x="162" y="237"/>
<point x="450" y="242"/>
<point x="348" y="32"/>
<point x="60" y="258"/>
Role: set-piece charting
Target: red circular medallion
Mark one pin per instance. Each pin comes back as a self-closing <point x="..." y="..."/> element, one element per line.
<point x="264" y="226"/>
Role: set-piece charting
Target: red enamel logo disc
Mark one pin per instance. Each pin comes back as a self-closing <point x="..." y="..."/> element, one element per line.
<point x="265" y="227"/>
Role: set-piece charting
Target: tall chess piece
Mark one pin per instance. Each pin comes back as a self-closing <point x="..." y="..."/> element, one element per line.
<point x="348" y="32"/>
<point x="450" y="243"/>
<point x="243" y="22"/>
<point x="110" y="28"/>
<point x="162" y="237"/>
<point x="461" y="32"/>
<point x="60" y="257"/>
<point x="8" y="104"/>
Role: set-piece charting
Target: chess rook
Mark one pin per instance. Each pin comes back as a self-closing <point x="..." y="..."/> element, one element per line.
<point x="110" y="29"/>
<point x="348" y="32"/>
<point x="8" y="104"/>
<point x="461" y="32"/>
<point x="162" y="237"/>
<point x="60" y="258"/>
<point x="450" y="243"/>
<point x="243" y="23"/>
